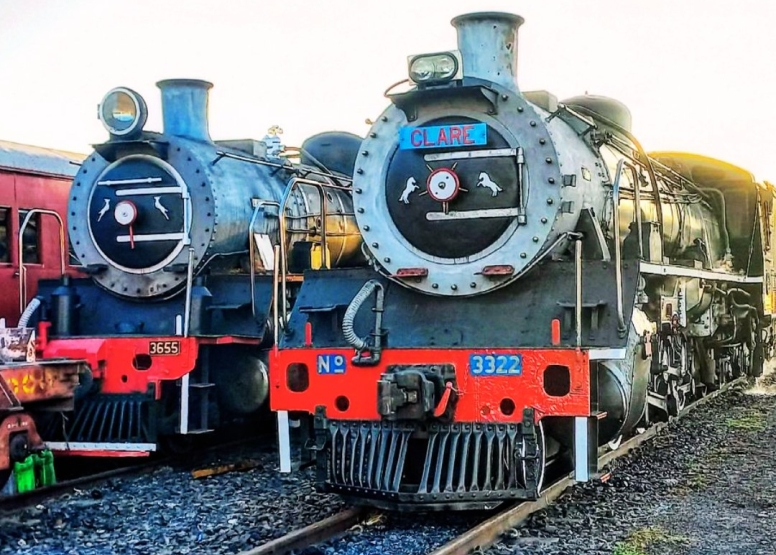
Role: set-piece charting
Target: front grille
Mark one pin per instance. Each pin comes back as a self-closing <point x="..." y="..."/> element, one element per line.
<point x="438" y="463"/>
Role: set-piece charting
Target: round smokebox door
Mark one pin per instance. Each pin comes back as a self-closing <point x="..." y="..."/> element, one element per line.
<point x="447" y="205"/>
<point x="137" y="216"/>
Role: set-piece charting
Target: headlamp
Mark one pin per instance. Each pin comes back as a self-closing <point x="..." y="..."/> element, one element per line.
<point x="123" y="112"/>
<point x="435" y="68"/>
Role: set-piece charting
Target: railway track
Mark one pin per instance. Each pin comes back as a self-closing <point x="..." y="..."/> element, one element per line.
<point x="489" y="531"/>
<point x="27" y="499"/>
<point x="485" y="533"/>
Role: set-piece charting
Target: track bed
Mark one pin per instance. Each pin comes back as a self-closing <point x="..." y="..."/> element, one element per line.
<point x="702" y="487"/>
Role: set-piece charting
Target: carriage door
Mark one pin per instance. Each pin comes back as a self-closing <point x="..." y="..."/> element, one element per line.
<point x="40" y="241"/>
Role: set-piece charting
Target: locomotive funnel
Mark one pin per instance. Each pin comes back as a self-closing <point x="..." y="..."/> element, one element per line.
<point x="184" y="107"/>
<point x="488" y="43"/>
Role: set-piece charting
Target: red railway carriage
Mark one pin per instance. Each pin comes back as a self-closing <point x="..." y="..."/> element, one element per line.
<point x="31" y="178"/>
<point x="34" y="187"/>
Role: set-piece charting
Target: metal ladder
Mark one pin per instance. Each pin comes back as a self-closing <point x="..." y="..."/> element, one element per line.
<point x="195" y="384"/>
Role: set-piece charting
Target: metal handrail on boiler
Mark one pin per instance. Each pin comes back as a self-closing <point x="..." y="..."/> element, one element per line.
<point x="283" y="266"/>
<point x="20" y="251"/>
<point x="617" y="246"/>
<point x="252" y="249"/>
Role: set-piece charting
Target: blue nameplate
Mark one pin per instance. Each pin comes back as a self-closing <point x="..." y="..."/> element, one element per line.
<point x="331" y="364"/>
<point x="495" y="365"/>
<point x="443" y="136"/>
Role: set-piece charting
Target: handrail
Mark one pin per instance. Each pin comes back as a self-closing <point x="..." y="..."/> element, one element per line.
<point x="275" y="270"/>
<point x="617" y="246"/>
<point x="20" y="250"/>
<point x="189" y="283"/>
<point x="293" y="182"/>
<point x="252" y="249"/>
<point x="637" y="210"/>
<point x="220" y="154"/>
<point x="578" y="287"/>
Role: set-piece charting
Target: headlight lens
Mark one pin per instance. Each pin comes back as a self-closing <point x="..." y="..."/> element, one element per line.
<point x="123" y="111"/>
<point x="433" y="68"/>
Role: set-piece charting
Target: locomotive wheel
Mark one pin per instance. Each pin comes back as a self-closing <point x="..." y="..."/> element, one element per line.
<point x="542" y="447"/>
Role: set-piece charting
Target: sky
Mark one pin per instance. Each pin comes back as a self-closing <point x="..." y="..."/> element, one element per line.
<point x="697" y="75"/>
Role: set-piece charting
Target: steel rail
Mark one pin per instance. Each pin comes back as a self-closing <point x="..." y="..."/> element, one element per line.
<point x="318" y="532"/>
<point x="486" y="533"/>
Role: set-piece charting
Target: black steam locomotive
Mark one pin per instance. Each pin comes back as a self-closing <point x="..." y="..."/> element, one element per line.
<point x="539" y="285"/>
<point x="180" y="236"/>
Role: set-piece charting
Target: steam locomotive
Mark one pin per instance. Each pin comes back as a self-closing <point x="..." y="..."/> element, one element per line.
<point x="538" y="286"/>
<point x="179" y="236"/>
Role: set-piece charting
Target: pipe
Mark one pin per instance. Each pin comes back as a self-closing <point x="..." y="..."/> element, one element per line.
<point x="648" y="162"/>
<point x="621" y="328"/>
<point x="348" y="320"/>
<point x="28" y="312"/>
<point x="488" y="45"/>
<point x="184" y="107"/>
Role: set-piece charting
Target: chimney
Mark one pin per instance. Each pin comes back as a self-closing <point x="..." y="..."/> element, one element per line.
<point x="488" y="44"/>
<point x="184" y="107"/>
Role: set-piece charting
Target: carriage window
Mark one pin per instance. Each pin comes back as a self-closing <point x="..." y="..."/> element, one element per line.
<point x="31" y="239"/>
<point x="5" y="245"/>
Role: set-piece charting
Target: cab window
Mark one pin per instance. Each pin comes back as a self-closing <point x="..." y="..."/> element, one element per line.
<point x="31" y="239"/>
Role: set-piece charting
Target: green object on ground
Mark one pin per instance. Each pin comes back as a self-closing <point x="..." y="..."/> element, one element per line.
<point x="24" y="474"/>
<point x="46" y="475"/>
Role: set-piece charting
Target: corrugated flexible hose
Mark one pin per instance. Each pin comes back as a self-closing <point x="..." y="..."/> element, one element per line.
<point x="28" y="312"/>
<point x="350" y="314"/>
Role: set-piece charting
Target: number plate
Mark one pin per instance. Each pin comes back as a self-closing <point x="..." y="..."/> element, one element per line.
<point x="443" y="136"/>
<point x="164" y="348"/>
<point x="331" y="364"/>
<point x="495" y="365"/>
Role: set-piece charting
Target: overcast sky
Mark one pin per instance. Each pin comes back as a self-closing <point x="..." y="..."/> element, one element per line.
<point x="698" y="75"/>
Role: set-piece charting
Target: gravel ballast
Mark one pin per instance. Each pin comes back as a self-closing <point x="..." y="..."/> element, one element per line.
<point x="704" y="486"/>
<point x="168" y="511"/>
